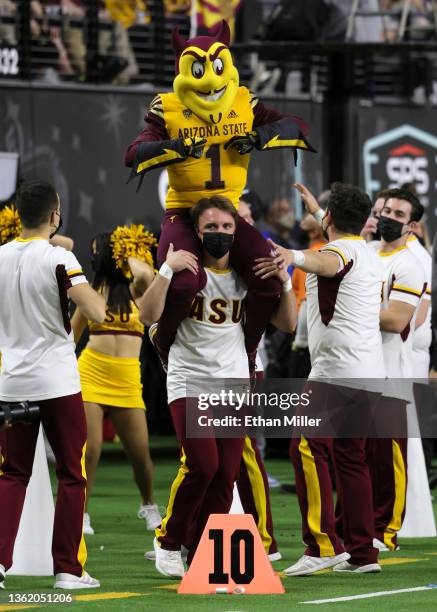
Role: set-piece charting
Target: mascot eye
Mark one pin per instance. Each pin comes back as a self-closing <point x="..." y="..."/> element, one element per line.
<point x="197" y="70"/>
<point x="218" y="66"/>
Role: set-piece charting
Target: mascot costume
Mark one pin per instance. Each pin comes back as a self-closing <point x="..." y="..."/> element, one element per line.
<point x="203" y="132"/>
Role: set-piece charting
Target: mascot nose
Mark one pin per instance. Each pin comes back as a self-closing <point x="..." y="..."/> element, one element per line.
<point x="213" y="82"/>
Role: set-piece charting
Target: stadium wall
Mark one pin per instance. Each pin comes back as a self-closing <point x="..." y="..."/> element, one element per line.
<point x="76" y="137"/>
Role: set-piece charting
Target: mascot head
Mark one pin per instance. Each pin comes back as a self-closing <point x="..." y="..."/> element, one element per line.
<point x="206" y="78"/>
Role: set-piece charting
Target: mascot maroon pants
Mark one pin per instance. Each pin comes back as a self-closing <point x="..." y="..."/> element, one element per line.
<point x="262" y="295"/>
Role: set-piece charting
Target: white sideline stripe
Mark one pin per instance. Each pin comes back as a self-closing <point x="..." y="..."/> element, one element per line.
<point x="366" y="595"/>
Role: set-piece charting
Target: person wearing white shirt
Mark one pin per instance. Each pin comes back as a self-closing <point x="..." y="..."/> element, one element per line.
<point x="404" y="286"/>
<point x="39" y="365"/>
<point x="343" y="290"/>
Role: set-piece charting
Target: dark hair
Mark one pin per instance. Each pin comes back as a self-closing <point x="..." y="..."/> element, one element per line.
<point x="214" y="202"/>
<point x="417" y="209"/>
<point x="381" y="194"/>
<point x="107" y="274"/>
<point x="256" y="205"/>
<point x="35" y="201"/>
<point x="349" y="207"/>
<point x="410" y="187"/>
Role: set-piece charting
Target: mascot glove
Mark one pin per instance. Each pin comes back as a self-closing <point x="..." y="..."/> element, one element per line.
<point x="193" y="147"/>
<point x="244" y="144"/>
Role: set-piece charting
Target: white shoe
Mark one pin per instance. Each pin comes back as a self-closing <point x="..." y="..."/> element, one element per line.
<point x="273" y="482"/>
<point x="168" y="562"/>
<point x="2" y="576"/>
<point x="382" y="547"/>
<point x="87" y="529"/>
<point x="150" y="512"/>
<point x="308" y="565"/>
<point x="150" y="554"/>
<point x="371" y="568"/>
<point x="275" y="557"/>
<point x="69" y="581"/>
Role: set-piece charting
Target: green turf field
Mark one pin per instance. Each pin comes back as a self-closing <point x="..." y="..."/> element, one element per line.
<point x="129" y="582"/>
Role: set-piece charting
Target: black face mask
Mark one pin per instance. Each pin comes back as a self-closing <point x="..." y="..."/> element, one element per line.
<point x="377" y="234"/>
<point x="390" y="229"/>
<point x="217" y="243"/>
<point x="58" y="228"/>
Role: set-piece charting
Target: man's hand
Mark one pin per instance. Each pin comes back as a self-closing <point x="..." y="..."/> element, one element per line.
<point x="193" y="147"/>
<point x="243" y="144"/>
<point x="370" y="228"/>
<point x="308" y="199"/>
<point x="276" y="265"/>
<point x="181" y="260"/>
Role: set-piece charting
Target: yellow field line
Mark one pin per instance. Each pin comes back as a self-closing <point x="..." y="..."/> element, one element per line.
<point x="170" y="587"/>
<point x="4" y="608"/>
<point x="99" y="596"/>
<point x="399" y="560"/>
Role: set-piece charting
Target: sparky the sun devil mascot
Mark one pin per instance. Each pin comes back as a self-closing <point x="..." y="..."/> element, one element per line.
<point x="203" y="132"/>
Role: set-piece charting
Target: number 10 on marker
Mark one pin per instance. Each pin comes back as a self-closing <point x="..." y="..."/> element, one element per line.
<point x="240" y="538"/>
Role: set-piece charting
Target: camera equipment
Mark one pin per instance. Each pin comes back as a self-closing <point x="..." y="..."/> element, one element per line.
<point x="18" y="412"/>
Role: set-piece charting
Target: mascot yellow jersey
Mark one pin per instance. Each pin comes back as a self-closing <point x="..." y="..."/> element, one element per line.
<point x="219" y="171"/>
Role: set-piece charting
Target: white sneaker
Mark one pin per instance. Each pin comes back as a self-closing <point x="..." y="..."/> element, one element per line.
<point x="275" y="557"/>
<point x="273" y="482"/>
<point x="87" y="529"/>
<point x="2" y="576"/>
<point x="308" y="565"/>
<point x="371" y="568"/>
<point x="69" y="581"/>
<point x="150" y="554"/>
<point x="150" y="512"/>
<point x="382" y="547"/>
<point x="168" y="562"/>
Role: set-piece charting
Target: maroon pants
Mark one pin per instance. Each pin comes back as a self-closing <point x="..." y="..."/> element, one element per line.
<point x="310" y="457"/>
<point x="253" y="488"/>
<point x="203" y="485"/>
<point x="64" y="423"/>
<point x="387" y="459"/>
<point x="262" y="296"/>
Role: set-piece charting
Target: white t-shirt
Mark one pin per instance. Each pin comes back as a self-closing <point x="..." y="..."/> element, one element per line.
<point x="344" y="339"/>
<point x="36" y="341"/>
<point x="404" y="282"/>
<point x="210" y="342"/>
<point x="422" y="336"/>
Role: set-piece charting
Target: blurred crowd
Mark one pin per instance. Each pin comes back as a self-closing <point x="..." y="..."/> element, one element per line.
<point x="58" y="32"/>
<point x="58" y="35"/>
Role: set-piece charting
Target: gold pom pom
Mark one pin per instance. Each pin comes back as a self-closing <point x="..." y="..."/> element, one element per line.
<point x="131" y="241"/>
<point x="10" y="224"/>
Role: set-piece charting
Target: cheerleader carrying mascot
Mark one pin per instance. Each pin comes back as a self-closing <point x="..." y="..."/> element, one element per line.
<point x="204" y="132"/>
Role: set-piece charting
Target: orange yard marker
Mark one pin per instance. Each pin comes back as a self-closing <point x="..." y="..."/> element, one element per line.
<point x="230" y="558"/>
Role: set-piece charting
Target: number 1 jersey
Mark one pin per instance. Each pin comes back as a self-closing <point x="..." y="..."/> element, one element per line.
<point x="218" y="171"/>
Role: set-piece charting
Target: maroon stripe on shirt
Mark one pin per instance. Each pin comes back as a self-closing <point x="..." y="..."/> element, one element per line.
<point x="63" y="285"/>
<point x="327" y="289"/>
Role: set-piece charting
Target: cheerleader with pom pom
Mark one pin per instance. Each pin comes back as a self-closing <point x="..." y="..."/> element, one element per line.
<point x="109" y="366"/>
